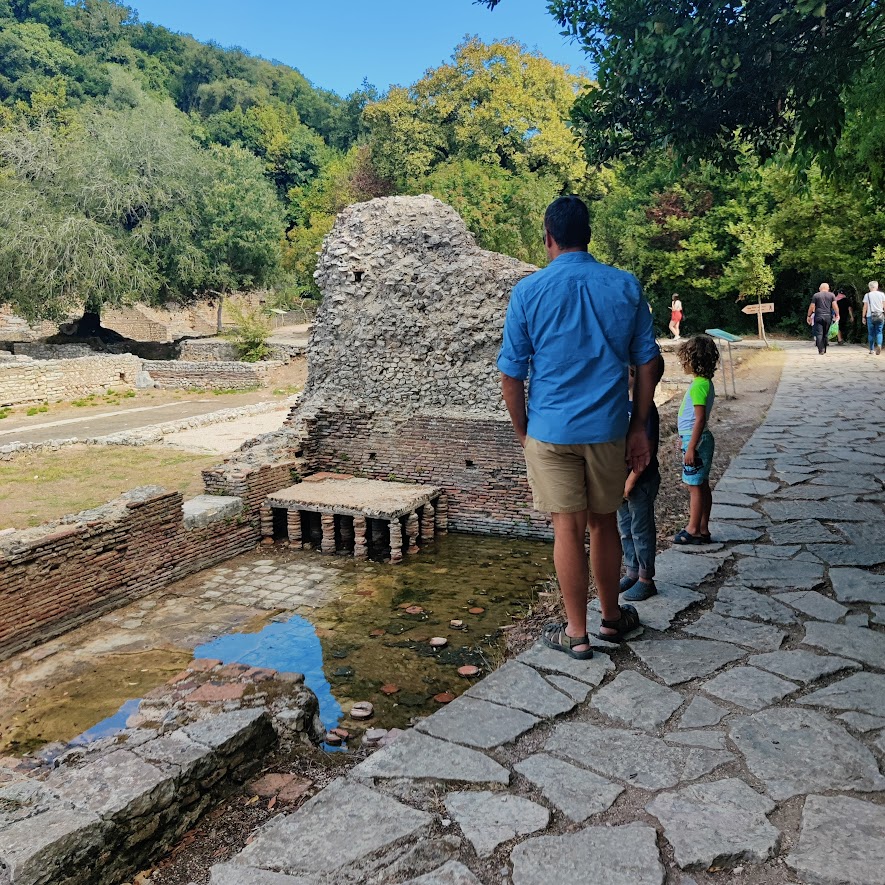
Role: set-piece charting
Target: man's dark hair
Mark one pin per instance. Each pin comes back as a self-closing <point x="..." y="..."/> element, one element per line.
<point x="568" y="222"/>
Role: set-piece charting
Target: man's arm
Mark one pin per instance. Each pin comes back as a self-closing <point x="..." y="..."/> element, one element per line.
<point x="514" y="398"/>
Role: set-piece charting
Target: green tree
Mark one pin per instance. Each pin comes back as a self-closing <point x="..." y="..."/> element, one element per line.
<point x="691" y="74"/>
<point x="496" y="104"/>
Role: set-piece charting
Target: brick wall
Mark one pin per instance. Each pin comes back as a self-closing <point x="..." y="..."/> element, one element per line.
<point x="478" y="462"/>
<point x="40" y="351"/>
<point x="57" y="576"/>
<point x="24" y="381"/>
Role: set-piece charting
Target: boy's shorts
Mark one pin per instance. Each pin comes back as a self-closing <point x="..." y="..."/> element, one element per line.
<point x="697" y="476"/>
<point x="568" y="479"/>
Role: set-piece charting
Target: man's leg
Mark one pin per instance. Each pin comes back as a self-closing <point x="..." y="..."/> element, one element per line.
<point x="570" y="560"/>
<point x="605" y="558"/>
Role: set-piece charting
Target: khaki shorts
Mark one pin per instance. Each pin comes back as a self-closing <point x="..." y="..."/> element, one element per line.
<point x="568" y="479"/>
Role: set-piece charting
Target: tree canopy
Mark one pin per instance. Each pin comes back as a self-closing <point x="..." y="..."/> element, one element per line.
<point x="690" y="75"/>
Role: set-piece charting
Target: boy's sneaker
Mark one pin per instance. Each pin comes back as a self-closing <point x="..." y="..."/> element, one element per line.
<point x="640" y="591"/>
<point x="627" y="582"/>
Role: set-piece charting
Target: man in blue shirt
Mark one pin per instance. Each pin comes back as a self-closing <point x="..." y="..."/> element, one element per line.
<point x="573" y="329"/>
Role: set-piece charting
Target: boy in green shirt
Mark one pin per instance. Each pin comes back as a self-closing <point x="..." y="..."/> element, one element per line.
<point x="699" y="357"/>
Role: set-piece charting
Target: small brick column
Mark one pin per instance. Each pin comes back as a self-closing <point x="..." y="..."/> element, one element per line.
<point x="293" y="526"/>
<point x="428" y="520"/>
<point x="442" y="515"/>
<point x="327" y="520"/>
<point x="412" y="532"/>
<point x="396" y="541"/>
<point x="360" y="545"/>
<point x="266" y="517"/>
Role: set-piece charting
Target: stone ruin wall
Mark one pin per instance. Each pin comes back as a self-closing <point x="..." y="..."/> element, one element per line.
<point x="402" y="379"/>
<point x="25" y="380"/>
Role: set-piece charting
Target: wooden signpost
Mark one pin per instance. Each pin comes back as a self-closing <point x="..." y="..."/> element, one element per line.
<point x="759" y="309"/>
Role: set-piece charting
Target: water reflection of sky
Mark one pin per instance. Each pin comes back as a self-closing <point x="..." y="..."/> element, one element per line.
<point x="289" y="647"/>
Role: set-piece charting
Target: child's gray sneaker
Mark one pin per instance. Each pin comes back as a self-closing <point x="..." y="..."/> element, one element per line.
<point x="640" y="591"/>
<point x="627" y="582"/>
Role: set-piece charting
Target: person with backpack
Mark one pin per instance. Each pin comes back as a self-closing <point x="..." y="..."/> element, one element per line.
<point x="874" y="316"/>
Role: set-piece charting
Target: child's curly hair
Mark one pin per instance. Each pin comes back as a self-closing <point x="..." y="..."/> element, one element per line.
<point x="700" y="355"/>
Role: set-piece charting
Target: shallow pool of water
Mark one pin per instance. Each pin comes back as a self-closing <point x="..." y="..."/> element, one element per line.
<point x="364" y="640"/>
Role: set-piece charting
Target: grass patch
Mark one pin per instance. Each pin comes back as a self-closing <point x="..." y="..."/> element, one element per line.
<point x="5" y="413"/>
<point x="37" y="487"/>
<point x="227" y="391"/>
<point x="37" y="410"/>
<point x="288" y="390"/>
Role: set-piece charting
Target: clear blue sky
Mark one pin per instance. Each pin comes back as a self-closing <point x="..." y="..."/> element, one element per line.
<point x="337" y="43"/>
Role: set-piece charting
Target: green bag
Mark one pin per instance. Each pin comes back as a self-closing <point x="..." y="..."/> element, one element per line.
<point x="833" y="334"/>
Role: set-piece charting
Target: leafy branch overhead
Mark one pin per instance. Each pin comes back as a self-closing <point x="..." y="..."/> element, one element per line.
<point x="688" y="75"/>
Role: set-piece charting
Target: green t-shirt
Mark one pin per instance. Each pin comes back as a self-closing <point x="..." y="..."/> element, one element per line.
<point x="700" y="393"/>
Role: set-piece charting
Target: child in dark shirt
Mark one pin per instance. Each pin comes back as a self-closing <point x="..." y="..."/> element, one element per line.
<point x="636" y="516"/>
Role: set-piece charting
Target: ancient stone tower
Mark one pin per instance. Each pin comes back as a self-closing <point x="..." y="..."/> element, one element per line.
<point x="402" y="378"/>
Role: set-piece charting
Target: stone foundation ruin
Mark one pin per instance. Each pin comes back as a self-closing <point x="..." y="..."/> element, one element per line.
<point x="402" y="381"/>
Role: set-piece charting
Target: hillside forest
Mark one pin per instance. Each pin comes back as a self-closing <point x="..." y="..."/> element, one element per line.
<point x="141" y="164"/>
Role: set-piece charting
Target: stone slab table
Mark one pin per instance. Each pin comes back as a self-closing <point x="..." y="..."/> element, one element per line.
<point x="350" y="503"/>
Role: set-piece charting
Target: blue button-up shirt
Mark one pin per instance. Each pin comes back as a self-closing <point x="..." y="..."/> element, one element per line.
<point x="574" y="328"/>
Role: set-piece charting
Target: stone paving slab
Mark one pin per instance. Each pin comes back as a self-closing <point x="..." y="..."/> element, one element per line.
<point x="727" y="511"/>
<point x="519" y="686"/>
<point x="659" y="611"/>
<point x="676" y="567"/>
<point x="851" y="554"/>
<point x="784" y="511"/>
<point x="735" y="602"/>
<point x="856" y="585"/>
<point x="546" y="659"/>
<point x="862" y="692"/>
<point x="421" y="757"/>
<point x="712" y="740"/>
<point x="734" y="630"/>
<point x="577" y="691"/>
<point x="779" y="574"/>
<point x="701" y="713"/>
<point x="796" y="751"/>
<point x="639" y="702"/>
<point x="681" y="660"/>
<point x="717" y="824"/>
<point x="810" y="602"/>
<point x="634" y="758"/>
<point x="804" y="666"/>
<point x="625" y="855"/>
<point x="452" y="873"/>
<point x="487" y="819"/>
<point x="866" y="646"/>
<point x="577" y="793"/>
<point x="842" y="841"/>
<point x="734" y="531"/>
<point x="329" y="831"/>
<point x="803" y="531"/>
<point x="477" y="723"/>
<point x="862" y="722"/>
<point x="748" y="687"/>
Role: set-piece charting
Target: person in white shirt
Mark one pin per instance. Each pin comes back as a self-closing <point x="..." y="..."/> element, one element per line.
<point x="874" y="315"/>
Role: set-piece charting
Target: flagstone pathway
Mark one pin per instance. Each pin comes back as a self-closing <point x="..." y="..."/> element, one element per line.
<point x="739" y="737"/>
